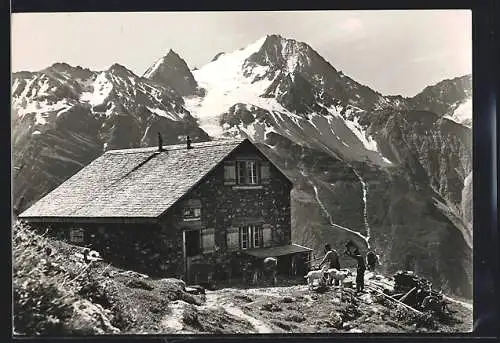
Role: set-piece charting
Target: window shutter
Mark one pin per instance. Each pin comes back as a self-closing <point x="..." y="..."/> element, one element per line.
<point x="229" y="173"/>
<point x="208" y="240"/>
<point x="267" y="235"/>
<point x="76" y="235"/>
<point x="264" y="172"/>
<point x="233" y="238"/>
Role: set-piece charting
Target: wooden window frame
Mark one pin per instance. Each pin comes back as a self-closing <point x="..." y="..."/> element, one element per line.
<point x="247" y="172"/>
<point x="193" y="205"/>
<point x="251" y="234"/>
<point x="244" y="243"/>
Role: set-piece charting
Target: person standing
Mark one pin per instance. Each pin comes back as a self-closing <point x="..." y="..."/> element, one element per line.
<point x="331" y="257"/>
<point x="360" y="269"/>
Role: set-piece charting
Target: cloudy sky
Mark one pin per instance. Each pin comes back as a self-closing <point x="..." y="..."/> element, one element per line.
<point x="394" y="52"/>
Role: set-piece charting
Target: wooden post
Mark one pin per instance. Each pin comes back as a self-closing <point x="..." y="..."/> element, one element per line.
<point x="407" y="294"/>
<point x="184" y="255"/>
<point x="397" y="301"/>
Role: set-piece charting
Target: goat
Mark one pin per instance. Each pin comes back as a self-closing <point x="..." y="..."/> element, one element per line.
<point x="315" y="275"/>
<point x="339" y="275"/>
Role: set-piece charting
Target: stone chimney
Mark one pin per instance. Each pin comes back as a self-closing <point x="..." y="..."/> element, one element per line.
<point x="188" y="143"/>
<point x="160" y="142"/>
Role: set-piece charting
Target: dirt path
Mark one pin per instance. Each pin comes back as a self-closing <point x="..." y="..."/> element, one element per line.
<point x="214" y="299"/>
<point x="173" y="321"/>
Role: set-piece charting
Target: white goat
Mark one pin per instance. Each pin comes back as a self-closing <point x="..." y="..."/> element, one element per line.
<point x="315" y="275"/>
<point x="337" y="275"/>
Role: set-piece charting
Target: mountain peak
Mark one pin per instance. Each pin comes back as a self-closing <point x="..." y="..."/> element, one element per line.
<point x="120" y="70"/>
<point x="283" y="53"/>
<point x="171" y="53"/>
<point x="118" y="67"/>
<point x="173" y="71"/>
<point x="65" y="70"/>
<point x="274" y="38"/>
<point x="60" y="65"/>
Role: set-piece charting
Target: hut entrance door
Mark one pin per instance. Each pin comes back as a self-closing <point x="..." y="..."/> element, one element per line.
<point x="192" y="251"/>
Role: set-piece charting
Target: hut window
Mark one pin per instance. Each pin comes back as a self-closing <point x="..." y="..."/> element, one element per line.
<point x="76" y="235"/>
<point x="247" y="172"/>
<point x="257" y="236"/>
<point x="244" y="234"/>
<point x="208" y="240"/>
<point x="251" y="236"/>
<point x="191" y="210"/>
<point x="191" y="213"/>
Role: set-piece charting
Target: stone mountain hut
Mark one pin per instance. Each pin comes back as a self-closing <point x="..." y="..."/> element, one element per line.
<point x="197" y="211"/>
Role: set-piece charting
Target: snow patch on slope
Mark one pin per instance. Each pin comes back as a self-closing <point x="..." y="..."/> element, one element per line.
<point x="102" y="87"/>
<point x="356" y="128"/>
<point x="463" y="113"/>
<point x="225" y="84"/>
<point x="162" y="113"/>
<point x="41" y="109"/>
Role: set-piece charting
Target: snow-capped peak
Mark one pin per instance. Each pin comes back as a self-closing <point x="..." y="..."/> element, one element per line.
<point x="227" y="82"/>
<point x="170" y="57"/>
<point x="172" y="71"/>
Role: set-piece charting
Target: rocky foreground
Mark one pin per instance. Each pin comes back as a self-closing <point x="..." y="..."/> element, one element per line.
<point x="296" y="309"/>
<point x="56" y="294"/>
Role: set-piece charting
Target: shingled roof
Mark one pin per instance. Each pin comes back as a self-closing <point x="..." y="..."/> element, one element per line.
<point x="137" y="183"/>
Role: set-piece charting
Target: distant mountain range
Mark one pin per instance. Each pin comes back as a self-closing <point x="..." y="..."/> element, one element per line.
<point x="391" y="172"/>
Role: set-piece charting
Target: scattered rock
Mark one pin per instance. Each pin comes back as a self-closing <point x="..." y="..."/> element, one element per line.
<point x="284" y="326"/>
<point x="190" y="317"/>
<point x="355" y="330"/>
<point x="271" y="307"/>
<point x="243" y="297"/>
<point x="350" y="312"/>
<point x="287" y="300"/>
<point x="92" y="317"/>
<point x="295" y="317"/>
<point x="335" y="320"/>
<point x="131" y="273"/>
<point x="139" y="284"/>
<point x="346" y="326"/>
<point x="177" y="282"/>
<point x="393" y="324"/>
<point x="336" y="300"/>
<point x="367" y="298"/>
<point x="195" y="290"/>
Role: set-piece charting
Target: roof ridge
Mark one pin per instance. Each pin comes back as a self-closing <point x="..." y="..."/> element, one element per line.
<point x="180" y="146"/>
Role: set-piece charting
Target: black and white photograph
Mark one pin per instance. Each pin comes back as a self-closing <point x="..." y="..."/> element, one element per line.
<point x="242" y="172"/>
